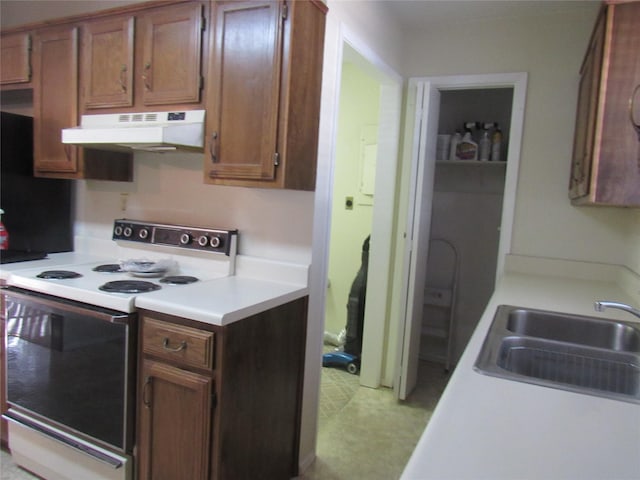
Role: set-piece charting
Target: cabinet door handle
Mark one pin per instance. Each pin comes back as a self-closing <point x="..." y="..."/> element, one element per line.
<point x="123" y="78"/>
<point x="165" y="345"/>
<point x="213" y="147"/>
<point x="632" y="104"/>
<point x="145" y="76"/>
<point x="145" y="392"/>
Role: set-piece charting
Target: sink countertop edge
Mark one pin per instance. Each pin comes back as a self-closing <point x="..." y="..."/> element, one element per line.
<point x="487" y="427"/>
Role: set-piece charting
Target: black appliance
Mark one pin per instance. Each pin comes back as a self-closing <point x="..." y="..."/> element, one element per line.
<point x="349" y="356"/>
<point x="38" y="211"/>
<point x="71" y="372"/>
<point x="356" y="304"/>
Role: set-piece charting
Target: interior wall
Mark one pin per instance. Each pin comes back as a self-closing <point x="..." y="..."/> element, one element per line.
<point x="550" y="47"/>
<point x="357" y="123"/>
<point x="169" y="188"/>
<point x="634" y="241"/>
<point x="467" y="208"/>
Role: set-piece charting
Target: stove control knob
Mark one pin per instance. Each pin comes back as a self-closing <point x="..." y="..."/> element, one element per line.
<point x="215" y="242"/>
<point x="128" y="231"/>
<point x="185" y="239"/>
<point x="143" y="234"/>
<point x="203" y="240"/>
<point x="118" y="230"/>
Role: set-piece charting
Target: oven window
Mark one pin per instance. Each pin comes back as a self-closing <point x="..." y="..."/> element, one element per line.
<point x="67" y="367"/>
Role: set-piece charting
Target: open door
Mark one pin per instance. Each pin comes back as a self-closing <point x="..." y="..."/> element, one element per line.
<point x="418" y="228"/>
<point x="420" y="202"/>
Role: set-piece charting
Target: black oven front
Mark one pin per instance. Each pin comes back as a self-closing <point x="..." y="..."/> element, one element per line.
<point x="72" y="366"/>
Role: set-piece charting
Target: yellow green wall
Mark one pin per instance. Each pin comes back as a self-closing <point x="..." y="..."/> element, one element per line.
<point x="358" y="116"/>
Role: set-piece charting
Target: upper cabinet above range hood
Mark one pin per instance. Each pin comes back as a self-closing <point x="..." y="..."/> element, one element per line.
<point x="147" y="131"/>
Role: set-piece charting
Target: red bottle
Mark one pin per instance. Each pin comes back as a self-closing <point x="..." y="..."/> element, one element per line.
<point x="4" y="235"/>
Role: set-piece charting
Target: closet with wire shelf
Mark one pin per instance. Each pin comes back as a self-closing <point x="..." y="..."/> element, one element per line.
<point x="438" y="320"/>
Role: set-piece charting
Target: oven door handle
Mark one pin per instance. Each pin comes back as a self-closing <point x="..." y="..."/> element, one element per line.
<point x="59" y="304"/>
<point x="82" y="447"/>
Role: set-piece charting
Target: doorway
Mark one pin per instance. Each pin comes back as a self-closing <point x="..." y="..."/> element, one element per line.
<point x="353" y="188"/>
<point x="372" y="157"/>
<point x="429" y="94"/>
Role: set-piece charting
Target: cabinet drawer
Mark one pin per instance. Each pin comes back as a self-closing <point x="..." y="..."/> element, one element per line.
<point x="177" y="343"/>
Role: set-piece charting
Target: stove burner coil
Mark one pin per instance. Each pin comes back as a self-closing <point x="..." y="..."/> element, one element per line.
<point x="108" y="268"/>
<point x="129" y="286"/>
<point x="178" y="280"/>
<point x="58" y="274"/>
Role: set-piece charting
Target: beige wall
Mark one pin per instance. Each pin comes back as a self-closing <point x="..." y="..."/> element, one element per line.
<point x="170" y="188"/>
<point x="550" y="49"/>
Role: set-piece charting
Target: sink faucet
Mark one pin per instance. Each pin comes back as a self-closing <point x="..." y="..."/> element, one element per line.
<point x="602" y="305"/>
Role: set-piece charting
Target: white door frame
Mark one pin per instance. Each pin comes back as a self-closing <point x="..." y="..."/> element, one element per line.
<point x="381" y="247"/>
<point x="420" y="200"/>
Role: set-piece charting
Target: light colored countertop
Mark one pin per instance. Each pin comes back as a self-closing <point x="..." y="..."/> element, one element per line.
<point x="223" y="300"/>
<point x="258" y="285"/>
<point x="491" y="428"/>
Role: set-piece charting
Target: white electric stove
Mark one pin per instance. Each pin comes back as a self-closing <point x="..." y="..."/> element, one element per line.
<point x="61" y="319"/>
<point x="185" y="256"/>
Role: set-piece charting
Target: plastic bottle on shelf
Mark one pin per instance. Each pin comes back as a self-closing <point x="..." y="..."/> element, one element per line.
<point x="484" y="145"/>
<point x="4" y="235"/>
<point x="467" y="149"/>
<point x="456" y="138"/>
<point x="496" y="144"/>
<point x="474" y="128"/>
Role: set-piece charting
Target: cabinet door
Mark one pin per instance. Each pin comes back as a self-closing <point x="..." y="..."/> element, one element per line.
<point x="175" y="418"/>
<point x="107" y="63"/>
<point x="242" y="123"/>
<point x="171" y="62"/>
<point x="15" y="59"/>
<point x="55" y="99"/>
<point x="580" y="178"/>
<point x="617" y="151"/>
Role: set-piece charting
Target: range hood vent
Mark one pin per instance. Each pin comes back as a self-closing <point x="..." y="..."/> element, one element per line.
<point x="147" y="131"/>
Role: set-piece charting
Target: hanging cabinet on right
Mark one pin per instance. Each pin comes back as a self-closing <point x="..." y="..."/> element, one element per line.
<point x="605" y="168"/>
<point x="263" y="97"/>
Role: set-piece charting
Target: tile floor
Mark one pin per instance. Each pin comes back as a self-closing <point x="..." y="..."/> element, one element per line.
<point x="363" y="432"/>
<point x="371" y="434"/>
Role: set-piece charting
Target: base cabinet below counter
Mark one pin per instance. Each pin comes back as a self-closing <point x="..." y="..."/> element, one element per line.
<point x="221" y="402"/>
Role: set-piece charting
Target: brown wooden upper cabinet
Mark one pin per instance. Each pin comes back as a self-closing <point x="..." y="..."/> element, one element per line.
<point x="605" y="167"/>
<point x="55" y="107"/>
<point x="161" y="67"/>
<point x="15" y="59"/>
<point x="107" y="63"/>
<point x="263" y="96"/>
<point x="55" y="87"/>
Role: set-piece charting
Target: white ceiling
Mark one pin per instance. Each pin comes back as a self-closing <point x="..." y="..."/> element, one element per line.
<point x="424" y="13"/>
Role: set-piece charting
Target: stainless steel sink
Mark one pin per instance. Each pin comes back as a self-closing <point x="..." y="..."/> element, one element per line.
<point x="572" y="352"/>
<point x="593" y="332"/>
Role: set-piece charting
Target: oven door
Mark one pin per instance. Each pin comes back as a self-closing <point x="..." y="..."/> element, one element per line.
<point x="70" y="366"/>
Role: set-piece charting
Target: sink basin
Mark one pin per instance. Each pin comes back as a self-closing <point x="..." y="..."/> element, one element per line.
<point x="572" y="352"/>
<point x="593" y="332"/>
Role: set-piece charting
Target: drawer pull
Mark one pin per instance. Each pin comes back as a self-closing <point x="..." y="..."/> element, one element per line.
<point x="165" y="345"/>
<point x="145" y="391"/>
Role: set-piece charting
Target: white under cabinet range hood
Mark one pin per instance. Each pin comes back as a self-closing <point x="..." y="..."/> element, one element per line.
<point x="146" y="131"/>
